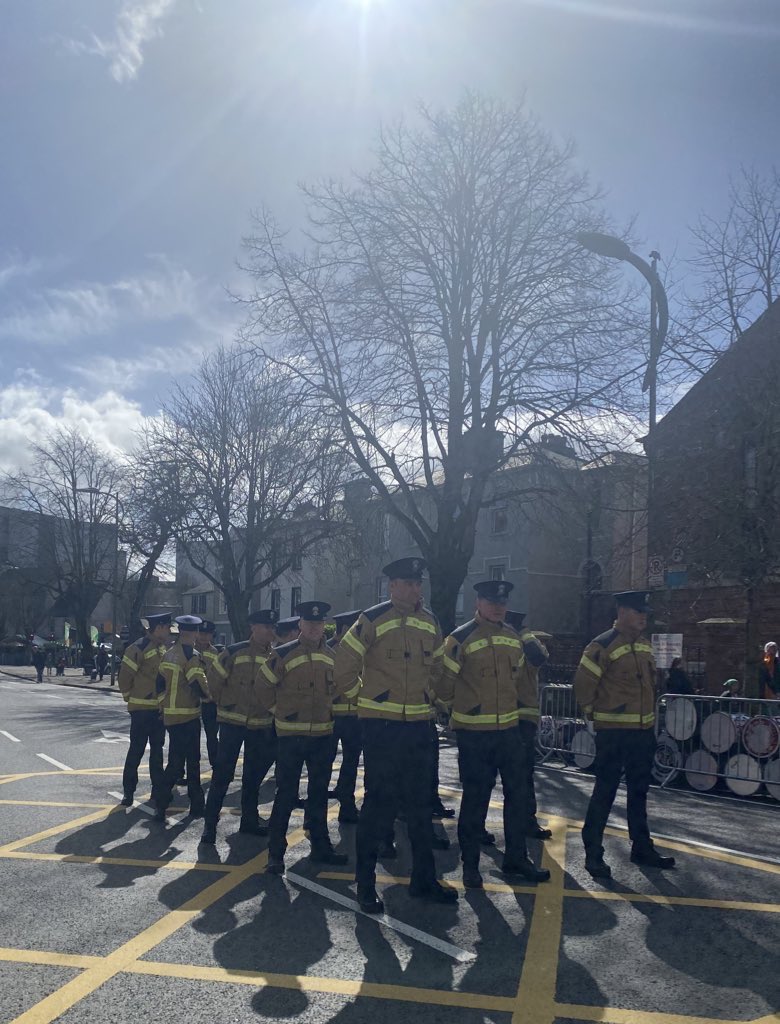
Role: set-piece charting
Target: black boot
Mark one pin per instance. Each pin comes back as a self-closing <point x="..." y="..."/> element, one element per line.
<point x="596" y="866"/>
<point x="433" y="892"/>
<point x="472" y="879"/>
<point x="651" y="858"/>
<point x="387" y="850"/>
<point x="209" y="836"/>
<point x="368" y="901"/>
<point x="348" y="814"/>
<point x="536" y="831"/>
<point x="275" y="865"/>
<point x="253" y="828"/>
<point x="327" y="855"/>
<point x="440" y="843"/>
<point x="487" y="838"/>
<point x="127" y="799"/>
<point x="526" y="869"/>
<point x="440" y="811"/>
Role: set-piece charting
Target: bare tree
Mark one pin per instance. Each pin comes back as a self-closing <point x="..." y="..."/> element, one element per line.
<point x="443" y="318"/>
<point x="255" y="474"/>
<point x="71" y="484"/>
<point x="736" y="267"/>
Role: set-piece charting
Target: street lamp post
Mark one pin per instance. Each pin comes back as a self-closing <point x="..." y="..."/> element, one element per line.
<point x="616" y="249"/>
<point x="115" y="587"/>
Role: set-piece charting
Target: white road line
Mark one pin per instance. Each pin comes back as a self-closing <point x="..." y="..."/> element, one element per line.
<point x="461" y="955"/>
<point x="136" y="805"/>
<point x="706" y="846"/>
<point x="57" y="764"/>
<point x="13" y="739"/>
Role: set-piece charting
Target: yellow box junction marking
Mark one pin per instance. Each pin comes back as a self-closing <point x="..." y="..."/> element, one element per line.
<point x="534" y="1002"/>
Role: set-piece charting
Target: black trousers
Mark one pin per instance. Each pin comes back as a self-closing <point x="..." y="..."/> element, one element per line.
<point x="527" y="734"/>
<point x="481" y="756"/>
<point x="398" y="764"/>
<point x="259" y="755"/>
<point x="434" y="740"/>
<point x="145" y="727"/>
<point x="208" y="716"/>
<point x="183" y="749"/>
<point x="346" y="730"/>
<point x="292" y="752"/>
<point x="618" y="750"/>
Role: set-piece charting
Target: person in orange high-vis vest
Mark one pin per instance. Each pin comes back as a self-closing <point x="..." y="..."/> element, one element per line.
<point x="615" y="688"/>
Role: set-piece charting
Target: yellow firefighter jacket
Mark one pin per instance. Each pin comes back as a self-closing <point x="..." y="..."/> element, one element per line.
<point x="181" y="683"/>
<point x="302" y="674"/>
<point x="393" y="656"/>
<point x="210" y="657"/>
<point x="138" y="674"/>
<point x="343" y="707"/>
<point x="528" y="677"/>
<point x="243" y="694"/>
<point x="615" y="681"/>
<point x="482" y="664"/>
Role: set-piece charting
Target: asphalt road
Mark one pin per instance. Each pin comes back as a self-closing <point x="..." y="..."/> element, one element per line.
<point x="107" y="916"/>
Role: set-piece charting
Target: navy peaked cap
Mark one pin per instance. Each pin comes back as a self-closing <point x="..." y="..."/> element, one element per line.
<point x="263" y="617"/>
<point x="313" y="611"/>
<point x="639" y="600"/>
<point x="494" y="590"/>
<point x="405" y="569"/>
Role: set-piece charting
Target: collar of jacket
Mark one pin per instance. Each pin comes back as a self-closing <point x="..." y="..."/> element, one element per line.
<point x="487" y="624"/>
<point x="406" y="607"/>
<point x="309" y="646"/>
<point x="630" y="635"/>
<point x="259" y="648"/>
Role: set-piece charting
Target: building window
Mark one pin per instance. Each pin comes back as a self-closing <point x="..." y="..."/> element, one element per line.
<point x="499" y="522"/>
<point x="459" y="602"/>
<point x="222" y="604"/>
<point x="295" y="599"/>
<point x="296" y="559"/>
<point x="276" y="600"/>
<point x="497" y="572"/>
<point x="198" y="604"/>
<point x="386" y="532"/>
<point x="381" y="588"/>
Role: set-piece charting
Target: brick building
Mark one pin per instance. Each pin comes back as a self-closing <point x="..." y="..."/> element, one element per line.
<point x="714" y="528"/>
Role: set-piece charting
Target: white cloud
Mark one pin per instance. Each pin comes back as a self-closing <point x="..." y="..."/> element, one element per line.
<point x="138" y="21"/>
<point x="56" y="316"/>
<point x="13" y="266"/>
<point x="29" y="410"/>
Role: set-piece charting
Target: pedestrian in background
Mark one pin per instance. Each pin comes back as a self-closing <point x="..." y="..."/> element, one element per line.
<point x="769" y="674"/>
<point x="39" y="662"/>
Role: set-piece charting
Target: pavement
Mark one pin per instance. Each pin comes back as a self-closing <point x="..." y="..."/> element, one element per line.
<point x="108" y="916"/>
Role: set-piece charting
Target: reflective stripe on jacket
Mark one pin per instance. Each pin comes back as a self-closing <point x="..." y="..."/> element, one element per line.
<point x="482" y="666"/>
<point x="302" y="674"/>
<point x="536" y="654"/>
<point x="138" y="674"/>
<point x="342" y="706"/>
<point x="243" y="694"/>
<point x="392" y="659"/>
<point x="615" y="682"/>
<point x="181" y="681"/>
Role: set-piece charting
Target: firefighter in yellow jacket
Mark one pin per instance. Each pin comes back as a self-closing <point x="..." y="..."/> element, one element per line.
<point x="208" y="708"/>
<point x="615" y="687"/>
<point x="393" y="652"/>
<point x="181" y="684"/>
<point x="535" y="655"/>
<point x="346" y="731"/>
<point x="138" y="684"/>
<point x="483" y="665"/>
<point x="244" y="698"/>
<point x="302" y="674"/>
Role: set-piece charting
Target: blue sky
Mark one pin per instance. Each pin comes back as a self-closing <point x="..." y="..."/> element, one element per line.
<point x="138" y="134"/>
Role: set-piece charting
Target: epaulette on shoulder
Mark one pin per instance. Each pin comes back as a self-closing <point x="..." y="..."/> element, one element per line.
<point x="378" y="609"/>
<point x="465" y="630"/>
<point x="333" y="642"/>
<point x="285" y="649"/>
<point x="188" y="650"/>
<point x="142" y="643"/>
<point x="605" y="639"/>
<point x="234" y="648"/>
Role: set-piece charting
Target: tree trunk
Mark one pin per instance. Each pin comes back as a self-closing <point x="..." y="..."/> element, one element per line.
<point x="447" y="570"/>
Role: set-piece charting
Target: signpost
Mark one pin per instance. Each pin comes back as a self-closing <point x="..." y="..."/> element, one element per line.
<point x="655" y="571"/>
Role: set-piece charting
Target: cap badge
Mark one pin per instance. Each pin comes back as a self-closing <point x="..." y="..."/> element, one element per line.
<point x="315" y="610"/>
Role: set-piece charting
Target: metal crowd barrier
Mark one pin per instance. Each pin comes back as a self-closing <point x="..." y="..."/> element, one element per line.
<point x="562" y="731"/>
<point x="708" y="739"/>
